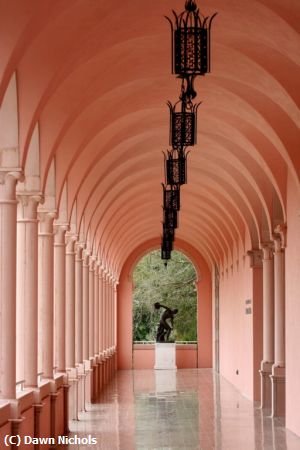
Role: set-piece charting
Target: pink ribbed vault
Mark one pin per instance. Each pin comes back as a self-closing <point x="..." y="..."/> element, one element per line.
<point x="96" y="75"/>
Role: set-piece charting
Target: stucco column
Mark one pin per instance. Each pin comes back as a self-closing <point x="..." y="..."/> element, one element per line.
<point x="60" y="295"/>
<point x="45" y="291"/>
<point x="111" y="311"/>
<point x="91" y="306"/>
<point x="70" y="300"/>
<point x="278" y="369"/>
<point x="108" y="321"/>
<point x="115" y="312"/>
<point x="279" y="305"/>
<point x="96" y="309"/>
<point x="100" y="310"/>
<point x="78" y="306"/>
<point x="268" y="325"/>
<point x="108" y="311"/>
<point x="27" y="286"/>
<point x="85" y="301"/>
<point x="8" y="233"/>
<point x="105" y="279"/>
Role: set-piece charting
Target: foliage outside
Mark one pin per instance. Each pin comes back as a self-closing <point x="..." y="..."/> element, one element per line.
<point x="173" y="286"/>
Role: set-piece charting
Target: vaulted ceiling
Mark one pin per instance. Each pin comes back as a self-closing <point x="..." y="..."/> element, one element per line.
<point x="95" y="76"/>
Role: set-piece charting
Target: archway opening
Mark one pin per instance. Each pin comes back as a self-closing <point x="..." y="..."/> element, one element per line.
<point x="173" y="286"/>
<point x="187" y="355"/>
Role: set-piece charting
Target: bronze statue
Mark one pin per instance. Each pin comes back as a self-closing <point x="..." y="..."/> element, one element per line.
<point x="164" y="329"/>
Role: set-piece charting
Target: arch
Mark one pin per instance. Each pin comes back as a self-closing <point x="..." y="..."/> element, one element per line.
<point x="9" y="126"/>
<point x="204" y="291"/>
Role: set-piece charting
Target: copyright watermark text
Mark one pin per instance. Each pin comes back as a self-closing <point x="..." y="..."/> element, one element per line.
<point x="63" y="440"/>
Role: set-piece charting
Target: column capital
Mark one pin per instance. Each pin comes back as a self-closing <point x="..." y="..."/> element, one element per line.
<point x="28" y="204"/>
<point x="86" y="257"/>
<point x="267" y="250"/>
<point x="71" y="239"/>
<point x="8" y="180"/>
<point x="46" y="219"/>
<point x="255" y="257"/>
<point x="92" y="260"/>
<point x="279" y="237"/>
<point x="61" y="227"/>
<point x="101" y="271"/>
<point x="97" y="268"/>
<point x="25" y="197"/>
<point x="79" y="247"/>
<point x="60" y="230"/>
<point x="15" y="174"/>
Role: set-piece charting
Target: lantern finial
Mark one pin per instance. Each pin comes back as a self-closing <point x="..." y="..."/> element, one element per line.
<point x="190" y="5"/>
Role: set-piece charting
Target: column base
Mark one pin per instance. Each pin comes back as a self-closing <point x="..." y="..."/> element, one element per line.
<point x="73" y="394"/>
<point x="278" y="391"/>
<point x="265" y="385"/>
<point x="15" y="430"/>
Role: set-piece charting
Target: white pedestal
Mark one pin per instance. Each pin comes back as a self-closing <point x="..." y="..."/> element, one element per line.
<point x="165" y="356"/>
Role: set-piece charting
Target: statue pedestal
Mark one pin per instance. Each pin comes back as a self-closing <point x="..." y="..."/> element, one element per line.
<point x="165" y="356"/>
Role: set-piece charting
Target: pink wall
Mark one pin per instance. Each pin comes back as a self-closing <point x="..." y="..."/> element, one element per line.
<point x="293" y="309"/>
<point x="59" y="413"/>
<point x="257" y="314"/>
<point x="45" y="431"/>
<point x="144" y="356"/>
<point x="204" y="332"/>
<point x="186" y="356"/>
<point x="27" y="427"/>
<point x="4" y="430"/>
<point x="124" y="311"/>
<point x="240" y="347"/>
<point x="124" y="322"/>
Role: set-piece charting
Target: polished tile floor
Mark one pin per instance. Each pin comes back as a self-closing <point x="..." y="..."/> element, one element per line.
<point x="189" y="409"/>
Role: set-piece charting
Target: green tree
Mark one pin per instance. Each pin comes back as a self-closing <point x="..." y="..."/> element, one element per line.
<point x="173" y="286"/>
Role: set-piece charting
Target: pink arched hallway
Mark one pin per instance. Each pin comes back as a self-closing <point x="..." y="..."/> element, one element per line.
<point x="83" y="123"/>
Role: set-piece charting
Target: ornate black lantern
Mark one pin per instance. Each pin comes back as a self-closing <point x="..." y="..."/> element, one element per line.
<point x="168" y="233"/>
<point x="175" y="167"/>
<point x="165" y="254"/>
<point x="170" y="218"/>
<point x="183" y="124"/>
<point x="190" y="44"/>
<point x="171" y="197"/>
<point x="167" y="245"/>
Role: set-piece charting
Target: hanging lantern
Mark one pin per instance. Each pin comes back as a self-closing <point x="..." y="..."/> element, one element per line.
<point x="165" y="254"/>
<point x="170" y="218"/>
<point x="190" y="44"/>
<point x="183" y="124"/>
<point x="175" y="167"/>
<point x="167" y="245"/>
<point x="168" y="233"/>
<point x="171" y="197"/>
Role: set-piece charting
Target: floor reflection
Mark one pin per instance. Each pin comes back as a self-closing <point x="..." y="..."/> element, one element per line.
<point x="187" y="409"/>
<point x="166" y="419"/>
